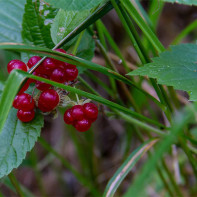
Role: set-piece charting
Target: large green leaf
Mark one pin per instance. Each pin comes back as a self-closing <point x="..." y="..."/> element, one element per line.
<point x="186" y="2"/>
<point x="126" y="167"/>
<point x="16" y="139"/>
<point x="74" y="4"/>
<point x="11" y="13"/>
<point x="65" y="22"/>
<point x="176" y="67"/>
<point x="36" y="25"/>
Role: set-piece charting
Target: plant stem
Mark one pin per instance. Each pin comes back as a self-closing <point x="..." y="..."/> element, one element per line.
<point x="16" y="184"/>
<point x="74" y="52"/>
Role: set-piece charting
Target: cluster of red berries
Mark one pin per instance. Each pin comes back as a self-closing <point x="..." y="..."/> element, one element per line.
<point x="81" y="116"/>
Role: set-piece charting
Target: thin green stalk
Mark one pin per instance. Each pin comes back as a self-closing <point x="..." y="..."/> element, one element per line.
<point x="113" y="45"/>
<point x="79" y="177"/>
<point x="123" y="86"/>
<point x="171" y="178"/>
<point x="77" y="43"/>
<point x="16" y="184"/>
<point x="101" y="33"/>
<point x="185" y="32"/>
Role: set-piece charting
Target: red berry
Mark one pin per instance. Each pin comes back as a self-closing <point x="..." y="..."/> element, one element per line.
<point x="33" y="61"/>
<point x="25" y="116"/>
<point x="60" y="50"/>
<point x="71" y="72"/>
<point x="68" y="119"/>
<point x="16" y="64"/>
<point x="58" y="62"/>
<point x="49" y="64"/>
<point x="90" y="110"/>
<point x="58" y="75"/>
<point x="48" y="100"/>
<point x="82" y="125"/>
<point x="42" y="85"/>
<point x="77" y="112"/>
<point x="24" y="102"/>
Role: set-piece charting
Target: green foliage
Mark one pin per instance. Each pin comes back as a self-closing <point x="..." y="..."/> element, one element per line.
<point x="36" y="25"/>
<point x="75" y="4"/>
<point x="176" y="67"/>
<point x="11" y="13"/>
<point x="16" y="140"/>
<point x="186" y="2"/>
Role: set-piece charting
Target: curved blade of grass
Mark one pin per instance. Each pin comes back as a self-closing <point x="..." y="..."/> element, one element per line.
<point x="76" y="61"/>
<point x="182" y="120"/>
<point x="126" y="167"/>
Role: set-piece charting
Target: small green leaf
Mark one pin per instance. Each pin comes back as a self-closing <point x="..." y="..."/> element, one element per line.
<point x="177" y="67"/>
<point x="16" y="139"/>
<point x="65" y="22"/>
<point x="36" y="25"/>
<point x="11" y="14"/>
<point x="74" y="5"/>
<point x="126" y="167"/>
<point x="186" y="2"/>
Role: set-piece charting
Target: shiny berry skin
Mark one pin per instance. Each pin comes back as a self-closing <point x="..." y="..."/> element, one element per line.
<point x="25" y="116"/>
<point x="77" y="112"/>
<point x="42" y="85"/>
<point x="82" y="125"/>
<point x="71" y="72"/>
<point x="16" y="64"/>
<point x="90" y="110"/>
<point x="24" y="102"/>
<point x="68" y="119"/>
<point x="33" y="61"/>
<point x="58" y="75"/>
<point x="48" y="100"/>
<point x="49" y="64"/>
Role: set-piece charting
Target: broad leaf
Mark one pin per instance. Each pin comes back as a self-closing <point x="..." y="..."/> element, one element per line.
<point x="11" y="13"/>
<point x="36" y="25"/>
<point x="74" y="4"/>
<point x="16" y="139"/>
<point x="65" y="22"/>
<point x="186" y="2"/>
<point x="176" y="67"/>
<point x="126" y="167"/>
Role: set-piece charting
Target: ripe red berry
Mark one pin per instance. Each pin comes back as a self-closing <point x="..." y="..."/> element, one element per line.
<point x="60" y="50"/>
<point x="25" y="116"/>
<point x="16" y="64"/>
<point x="58" y="62"/>
<point x="58" y="75"/>
<point x="71" y="72"/>
<point x="33" y="60"/>
<point x="42" y="85"/>
<point x="48" y="100"/>
<point x="77" y="112"/>
<point x="82" y="125"/>
<point x="49" y="64"/>
<point x="90" y="110"/>
<point x="24" y="102"/>
<point x="68" y="119"/>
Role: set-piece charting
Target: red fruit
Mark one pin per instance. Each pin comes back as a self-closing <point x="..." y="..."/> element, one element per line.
<point x="58" y="75"/>
<point x="25" y="116"/>
<point x="82" y="125"/>
<point x="77" y="112"/>
<point x="42" y="85"/>
<point x="71" y="72"/>
<point x="24" y="102"/>
<point x="16" y="64"/>
<point x="68" y="119"/>
<point x="49" y="64"/>
<point x="60" y="50"/>
<point x="58" y="62"/>
<point x="90" y="110"/>
<point x="48" y="100"/>
<point x="33" y="61"/>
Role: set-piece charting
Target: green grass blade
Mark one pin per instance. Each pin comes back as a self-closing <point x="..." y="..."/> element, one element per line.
<point x="126" y="167"/>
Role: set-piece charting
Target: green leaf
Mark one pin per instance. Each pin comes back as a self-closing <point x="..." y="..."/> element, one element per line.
<point x="11" y="13"/>
<point x="126" y="167"/>
<point x="16" y="139"/>
<point x="186" y="2"/>
<point x="65" y="22"/>
<point x="177" y="67"/>
<point x="36" y="25"/>
<point x="182" y="119"/>
<point x="74" y="5"/>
